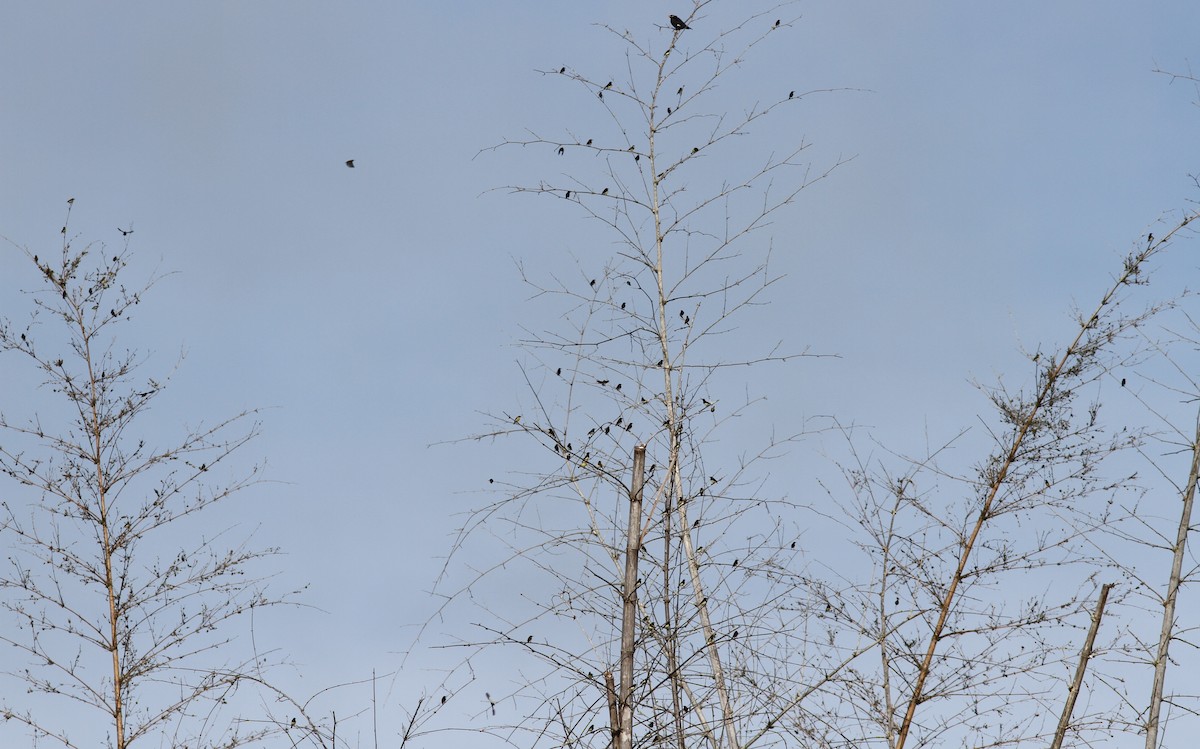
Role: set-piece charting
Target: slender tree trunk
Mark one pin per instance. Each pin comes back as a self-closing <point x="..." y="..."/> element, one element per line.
<point x="1084" y="655"/>
<point x="1168" y="620"/>
<point x="633" y="548"/>
<point x="97" y="436"/>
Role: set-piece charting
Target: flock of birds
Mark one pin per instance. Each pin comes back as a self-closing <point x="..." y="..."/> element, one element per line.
<point x="676" y="23"/>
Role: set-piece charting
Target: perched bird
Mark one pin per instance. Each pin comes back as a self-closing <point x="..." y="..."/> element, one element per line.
<point x="589" y="142"/>
<point x="350" y="163"/>
<point x="678" y="24"/>
<point x="680" y="91"/>
<point x="561" y="150"/>
<point x="529" y="639"/>
<point x="777" y="20"/>
<point x="559" y="372"/>
<point x="608" y="86"/>
<point x="695" y="150"/>
<point x="70" y="201"/>
<point x="563" y="69"/>
<point x="604" y="191"/>
<point x="1150" y="238"/>
<point x="592" y="283"/>
<point x="568" y="194"/>
<point x="443" y="699"/>
<point x="791" y="94"/>
<point x="1122" y="382"/>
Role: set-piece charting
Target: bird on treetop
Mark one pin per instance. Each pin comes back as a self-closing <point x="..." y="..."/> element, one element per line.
<point x="678" y="24"/>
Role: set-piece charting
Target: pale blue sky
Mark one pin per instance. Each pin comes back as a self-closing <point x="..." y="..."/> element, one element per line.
<point x="1006" y="156"/>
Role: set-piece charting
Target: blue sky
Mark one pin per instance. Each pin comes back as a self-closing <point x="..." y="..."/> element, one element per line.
<point x="1005" y="156"/>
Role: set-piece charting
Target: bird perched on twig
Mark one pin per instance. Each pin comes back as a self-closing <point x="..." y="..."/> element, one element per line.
<point x="678" y="24"/>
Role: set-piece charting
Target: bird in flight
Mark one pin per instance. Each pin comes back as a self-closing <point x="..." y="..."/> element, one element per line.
<point x="350" y="163"/>
<point x="678" y="24"/>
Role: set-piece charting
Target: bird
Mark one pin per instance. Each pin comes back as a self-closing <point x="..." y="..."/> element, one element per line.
<point x="70" y="201"/>
<point x="568" y="194"/>
<point x="679" y="92"/>
<point x="443" y="699"/>
<point x="124" y="233"/>
<point x="1122" y="382"/>
<point x="559" y="372"/>
<point x="592" y="283"/>
<point x="589" y="142"/>
<point x="791" y="94"/>
<point x="601" y="382"/>
<point x="608" y="86"/>
<point x="678" y="24"/>
<point x="350" y="163"/>
<point x="695" y="150"/>
<point x="604" y="191"/>
<point x="529" y="639"/>
<point x="777" y="21"/>
<point x="562" y="70"/>
<point x="561" y="150"/>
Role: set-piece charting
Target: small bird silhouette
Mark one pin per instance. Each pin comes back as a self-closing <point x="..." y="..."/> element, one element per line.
<point x="678" y="24"/>
<point x="350" y="163"/>
<point x="791" y="94"/>
<point x="608" y="86"/>
<point x="589" y="142"/>
<point x="604" y="191"/>
<point x="777" y="20"/>
<point x="561" y="150"/>
<point x="1122" y="382"/>
<point x="568" y="194"/>
<point x="558" y="372"/>
<point x="563" y="69"/>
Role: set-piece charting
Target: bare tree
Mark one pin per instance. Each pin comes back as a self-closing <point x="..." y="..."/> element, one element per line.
<point x="123" y="596"/>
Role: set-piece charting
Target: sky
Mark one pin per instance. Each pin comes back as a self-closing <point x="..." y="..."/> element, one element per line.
<point x="999" y="160"/>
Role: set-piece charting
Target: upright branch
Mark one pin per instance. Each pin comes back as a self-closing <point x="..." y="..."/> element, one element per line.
<point x="1178" y="551"/>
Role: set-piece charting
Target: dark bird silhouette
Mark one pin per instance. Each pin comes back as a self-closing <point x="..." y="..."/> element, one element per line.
<point x="695" y="150"/>
<point x="592" y="283"/>
<point x="668" y="111"/>
<point x="793" y="544"/>
<point x="568" y="194"/>
<point x="601" y="382"/>
<point x="791" y="94"/>
<point x="563" y="69"/>
<point x="680" y="91"/>
<point x="1149" y="238"/>
<point x="350" y="163"/>
<point x="712" y="479"/>
<point x="777" y="20"/>
<point x="1122" y="382"/>
<point x="529" y="639"/>
<point x="622" y="305"/>
<point x="559" y="372"/>
<point x="589" y="142"/>
<point x="637" y="157"/>
<point x="678" y="24"/>
<point x="443" y="699"/>
<point x="561" y="150"/>
<point x="618" y="386"/>
<point x="604" y="191"/>
<point x="600" y="94"/>
<point x="608" y="85"/>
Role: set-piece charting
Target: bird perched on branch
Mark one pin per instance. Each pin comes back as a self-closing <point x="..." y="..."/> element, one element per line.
<point x="678" y="24"/>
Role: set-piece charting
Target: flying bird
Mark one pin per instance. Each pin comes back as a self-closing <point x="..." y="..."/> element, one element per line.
<point x="678" y="24"/>
<point x="350" y="163"/>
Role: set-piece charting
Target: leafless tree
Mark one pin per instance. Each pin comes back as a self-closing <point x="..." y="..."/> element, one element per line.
<point x="122" y="594"/>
